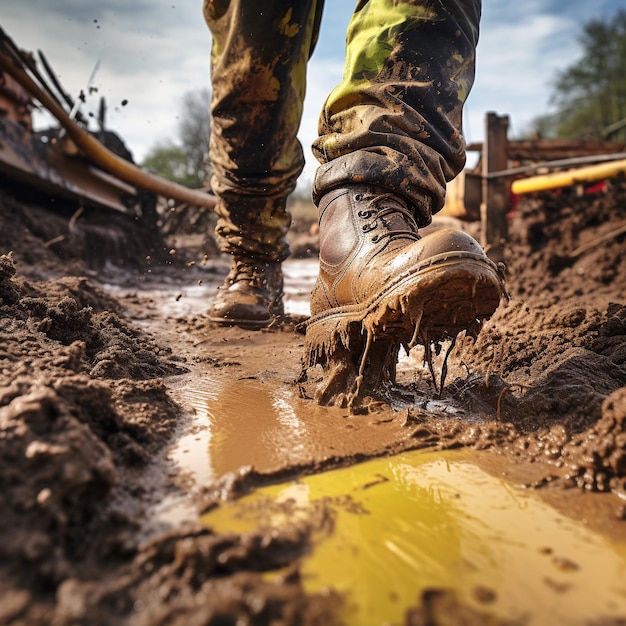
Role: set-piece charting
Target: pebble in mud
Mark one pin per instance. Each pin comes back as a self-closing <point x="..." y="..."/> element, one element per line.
<point x="484" y="595"/>
<point x="558" y="587"/>
<point x="564" y="564"/>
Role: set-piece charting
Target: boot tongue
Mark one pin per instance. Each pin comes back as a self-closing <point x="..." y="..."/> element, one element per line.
<point x="337" y="235"/>
<point x="394" y="216"/>
<point x="394" y="220"/>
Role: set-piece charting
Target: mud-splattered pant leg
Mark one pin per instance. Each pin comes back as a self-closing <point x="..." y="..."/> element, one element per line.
<point x="396" y="118"/>
<point x="258" y="68"/>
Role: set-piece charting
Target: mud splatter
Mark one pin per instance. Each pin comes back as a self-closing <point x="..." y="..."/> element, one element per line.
<point x="87" y="406"/>
<point x="358" y="347"/>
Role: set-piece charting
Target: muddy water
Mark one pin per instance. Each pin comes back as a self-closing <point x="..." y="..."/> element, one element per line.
<point x="401" y="524"/>
<point x="420" y="521"/>
<point x="241" y="423"/>
<point x="252" y="422"/>
<point x="392" y="527"/>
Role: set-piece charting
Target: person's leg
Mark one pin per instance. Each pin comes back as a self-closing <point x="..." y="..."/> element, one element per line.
<point x="396" y="118"/>
<point x="258" y="70"/>
<point x="390" y="138"/>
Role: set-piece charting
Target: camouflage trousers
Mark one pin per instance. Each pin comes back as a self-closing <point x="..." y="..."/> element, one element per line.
<point x="394" y="121"/>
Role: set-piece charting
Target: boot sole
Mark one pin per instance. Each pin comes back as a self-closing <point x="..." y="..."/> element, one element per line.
<point x="450" y="293"/>
<point x="252" y="325"/>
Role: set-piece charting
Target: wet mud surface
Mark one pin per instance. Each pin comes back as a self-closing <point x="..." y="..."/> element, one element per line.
<point x="127" y="420"/>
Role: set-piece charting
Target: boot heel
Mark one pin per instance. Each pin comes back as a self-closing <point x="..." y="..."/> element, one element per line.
<point x="357" y="371"/>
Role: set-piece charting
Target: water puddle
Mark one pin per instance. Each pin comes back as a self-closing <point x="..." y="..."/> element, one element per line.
<point x="263" y="423"/>
<point x="189" y="299"/>
<point x="241" y="423"/>
<point x="420" y="521"/>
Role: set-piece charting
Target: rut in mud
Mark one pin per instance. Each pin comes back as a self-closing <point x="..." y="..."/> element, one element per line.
<point x="95" y="387"/>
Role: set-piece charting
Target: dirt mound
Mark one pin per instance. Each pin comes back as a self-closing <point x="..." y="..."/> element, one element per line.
<point x="84" y="407"/>
<point x="54" y="237"/>
<point x="82" y="403"/>
<point x="566" y="246"/>
<point x="555" y="355"/>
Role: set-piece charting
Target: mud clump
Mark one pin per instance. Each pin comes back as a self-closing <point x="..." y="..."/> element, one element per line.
<point x="82" y="404"/>
<point x="440" y="606"/>
<point x="207" y="578"/>
<point x="554" y="356"/>
<point x="596" y="460"/>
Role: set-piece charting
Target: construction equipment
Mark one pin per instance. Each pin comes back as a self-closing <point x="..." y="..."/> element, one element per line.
<point x="71" y="172"/>
<point x="77" y="164"/>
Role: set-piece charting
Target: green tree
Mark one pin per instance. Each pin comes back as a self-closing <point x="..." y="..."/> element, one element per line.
<point x="170" y="161"/>
<point x="590" y="94"/>
<point x="185" y="160"/>
<point x="542" y="126"/>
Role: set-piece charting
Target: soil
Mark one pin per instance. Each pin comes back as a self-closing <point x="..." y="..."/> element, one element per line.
<point x="107" y="360"/>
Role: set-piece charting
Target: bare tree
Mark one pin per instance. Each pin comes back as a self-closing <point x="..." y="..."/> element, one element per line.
<point x="186" y="160"/>
<point x="195" y="130"/>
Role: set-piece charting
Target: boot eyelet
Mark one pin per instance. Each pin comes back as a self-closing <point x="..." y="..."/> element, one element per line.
<point x="358" y="196"/>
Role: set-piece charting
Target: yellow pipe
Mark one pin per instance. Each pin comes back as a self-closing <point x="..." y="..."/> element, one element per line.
<point x="568" y="178"/>
<point x="101" y="155"/>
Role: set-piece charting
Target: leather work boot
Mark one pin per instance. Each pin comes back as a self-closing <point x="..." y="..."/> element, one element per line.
<point x="382" y="286"/>
<point x="251" y="296"/>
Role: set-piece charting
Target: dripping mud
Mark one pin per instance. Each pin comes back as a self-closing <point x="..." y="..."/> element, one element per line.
<point x="127" y="421"/>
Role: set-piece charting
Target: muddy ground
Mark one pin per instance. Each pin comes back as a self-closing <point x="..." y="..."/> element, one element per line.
<point x="104" y="368"/>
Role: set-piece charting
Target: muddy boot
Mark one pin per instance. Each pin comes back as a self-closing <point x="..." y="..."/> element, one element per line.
<point x="381" y="283"/>
<point x="251" y="296"/>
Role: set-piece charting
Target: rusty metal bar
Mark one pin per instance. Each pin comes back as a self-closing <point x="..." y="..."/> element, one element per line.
<point x="583" y="160"/>
<point x="495" y="202"/>
<point x="98" y="153"/>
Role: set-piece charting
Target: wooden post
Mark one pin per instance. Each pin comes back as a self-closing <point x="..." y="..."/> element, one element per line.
<point x="495" y="201"/>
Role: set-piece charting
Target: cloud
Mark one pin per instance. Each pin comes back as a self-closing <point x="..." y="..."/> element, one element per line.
<point x="153" y="51"/>
<point x="150" y="54"/>
<point x="516" y="60"/>
<point x="521" y="52"/>
<point x="335" y="21"/>
<point x="322" y="77"/>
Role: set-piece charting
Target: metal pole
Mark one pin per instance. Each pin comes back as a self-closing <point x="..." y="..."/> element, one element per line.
<point x="495" y="202"/>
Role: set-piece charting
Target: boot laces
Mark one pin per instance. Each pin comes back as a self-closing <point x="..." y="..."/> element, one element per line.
<point x="245" y="270"/>
<point x="379" y="214"/>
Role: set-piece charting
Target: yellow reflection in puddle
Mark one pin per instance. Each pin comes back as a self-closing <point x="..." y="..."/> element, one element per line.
<point x="418" y="521"/>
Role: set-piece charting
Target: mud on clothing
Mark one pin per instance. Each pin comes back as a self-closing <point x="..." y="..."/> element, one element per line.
<point x="394" y="121"/>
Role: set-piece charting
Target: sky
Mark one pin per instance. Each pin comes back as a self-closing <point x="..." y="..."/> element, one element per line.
<point x="151" y="52"/>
